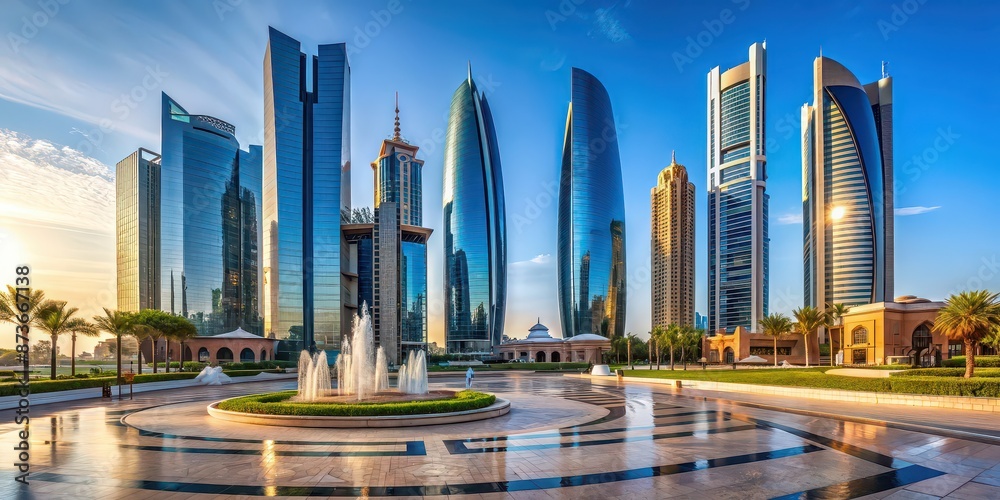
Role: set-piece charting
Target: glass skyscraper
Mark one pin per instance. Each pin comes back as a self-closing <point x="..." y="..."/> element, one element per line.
<point x="737" y="202"/>
<point x="137" y="230"/>
<point x="307" y="183"/>
<point x="847" y="202"/>
<point x="591" y="220"/>
<point x="209" y="266"/>
<point x="475" y="229"/>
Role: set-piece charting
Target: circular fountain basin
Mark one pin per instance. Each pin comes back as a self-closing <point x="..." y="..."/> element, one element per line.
<point x="499" y="408"/>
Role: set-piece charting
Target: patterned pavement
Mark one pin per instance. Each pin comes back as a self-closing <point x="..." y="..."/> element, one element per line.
<point x="564" y="438"/>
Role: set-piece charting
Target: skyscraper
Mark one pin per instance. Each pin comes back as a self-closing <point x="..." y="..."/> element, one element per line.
<point x="591" y="220"/>
<point x="307" y="186"/>
<point x="847" y="202"/>
<point x="672" y="247"/>
<point x="137" y="230"/>
<point x="389" y="253"/>
<point x="209" y="266"/>
<point x="475" y="228"/>
<point x="737" y="202"/>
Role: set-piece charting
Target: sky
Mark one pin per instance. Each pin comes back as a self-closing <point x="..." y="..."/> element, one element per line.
<point x="80" y="86"/>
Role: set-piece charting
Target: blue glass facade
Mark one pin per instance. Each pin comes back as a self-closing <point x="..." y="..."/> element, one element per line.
<point x="847" y="209"/>
<point x="591" y="220"/>
<point x="306" y="186"/>
<point x="738" y="242"/>
<point x="209" y="223"/>
<point x="474" y="225"/>
<point x="413" y="292"/>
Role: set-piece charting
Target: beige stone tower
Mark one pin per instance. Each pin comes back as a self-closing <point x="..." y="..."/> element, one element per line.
<point x="672" y="247"/>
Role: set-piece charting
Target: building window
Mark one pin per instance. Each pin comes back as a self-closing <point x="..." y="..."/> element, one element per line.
<point x="955" y="350"/>
<point x="860" y="335"/>
<point x="859" y="356"/>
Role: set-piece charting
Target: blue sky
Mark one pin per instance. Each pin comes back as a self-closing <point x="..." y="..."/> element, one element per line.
<point x="79" y="90"/>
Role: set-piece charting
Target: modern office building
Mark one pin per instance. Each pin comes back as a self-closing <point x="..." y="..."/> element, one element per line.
<point x="307" y="186"/>
<point x="475" y="228"/>
<point x="672" y="247"/>
<point x="847" y="181"/>
<point x="591" y="217"/>
<point x="209" y="232"/>
<point x="387" y="269"/>
<point x="137" y="230"/>
<point x="737" y="200"/>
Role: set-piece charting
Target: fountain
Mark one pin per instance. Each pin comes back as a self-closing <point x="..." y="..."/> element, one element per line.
<point x="314" y="376"/>
<point x="362" y="379"/>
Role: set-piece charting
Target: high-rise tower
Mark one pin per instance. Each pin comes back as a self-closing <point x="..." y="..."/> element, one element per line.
<point x="307" y="186"/>
<point x="672" y="247"/>
<point x="137" y="230"/>
<point x="209" y="267"/>
<point x="591" y="220"/>
<point x="388" y="254"/>
<point x="475" y="228"/>
<point x="737" y="202"/>
<point x="847" y="181"/>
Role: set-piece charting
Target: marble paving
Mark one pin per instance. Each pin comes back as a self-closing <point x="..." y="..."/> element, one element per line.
<point x="564" y="438"/>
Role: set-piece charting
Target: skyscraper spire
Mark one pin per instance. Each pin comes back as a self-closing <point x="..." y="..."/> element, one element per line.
<point x="395" y="131"/>
<point x="673" y="157"/>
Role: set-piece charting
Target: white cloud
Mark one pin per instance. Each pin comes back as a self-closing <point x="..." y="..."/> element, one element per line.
<point x="606" y="23"/>
<point x="906" y="211"/>
<point x="538" y="259"/>
<point x="790" y="219"/>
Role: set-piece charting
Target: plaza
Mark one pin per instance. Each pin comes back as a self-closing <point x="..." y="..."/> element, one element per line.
<point x="566" y="436"/>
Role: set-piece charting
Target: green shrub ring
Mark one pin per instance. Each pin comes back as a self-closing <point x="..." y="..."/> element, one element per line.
<point x="276" y="403"/>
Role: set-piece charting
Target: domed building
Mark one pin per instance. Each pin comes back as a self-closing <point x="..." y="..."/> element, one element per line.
<point x="541" y="347"/>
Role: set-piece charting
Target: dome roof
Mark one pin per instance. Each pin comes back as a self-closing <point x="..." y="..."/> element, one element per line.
<point x="910" y="299"/>
<point x="585" y="337"/>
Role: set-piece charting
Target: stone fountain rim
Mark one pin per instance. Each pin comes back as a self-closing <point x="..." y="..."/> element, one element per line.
<point x="499" y="408"/>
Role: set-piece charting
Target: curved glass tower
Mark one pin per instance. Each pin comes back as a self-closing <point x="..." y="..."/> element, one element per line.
<point x="209" y="230"/>
<point x="847" y="188"/>
<point x="591" y="224"/>
<point x="475" y="230"/>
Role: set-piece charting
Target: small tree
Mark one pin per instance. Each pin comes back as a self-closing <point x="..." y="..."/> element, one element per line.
<point x="690" y="338"/>
<point x="777" y="325"/>
<point x="969" y="317"/>
<point x="809" y="320"/>
<point x="158" y="324"/>
<point x="655" y="339"/>
<point x="836" y="313"/>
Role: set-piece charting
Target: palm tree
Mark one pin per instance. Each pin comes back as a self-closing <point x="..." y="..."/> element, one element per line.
<point x="836" y="313"/>
<point x="672" y="337"/>
<point x="689" y="337"/>
<point x="89" y="330"/>
<point x="777" y="325"/>
<point x="809" y="320"/>
<point x="9" y="310"/>
<point x="118" y="324"/>
<point x="179" y="336"/>
<point x="56" y="319"/>
<point x="158" y="324"/>
<point x="655" y="338"/>
<point x="969" y="317"/>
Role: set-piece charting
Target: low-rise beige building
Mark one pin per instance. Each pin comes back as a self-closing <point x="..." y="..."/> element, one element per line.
<point x="541" y="347"/>
<point x="901" y="332"/>
<point x="729" y="348"/>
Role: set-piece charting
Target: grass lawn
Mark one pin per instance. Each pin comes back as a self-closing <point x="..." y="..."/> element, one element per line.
<point x="276" y="403"/>
<point x="938" y="381"/>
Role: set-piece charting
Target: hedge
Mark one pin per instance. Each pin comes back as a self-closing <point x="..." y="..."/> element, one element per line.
<point x="40" y="386"/>
<point x="276" y="403"/>
<point x="981" y="362"/>
<point x="947" y="372"/>
<point x="922" y="382"/>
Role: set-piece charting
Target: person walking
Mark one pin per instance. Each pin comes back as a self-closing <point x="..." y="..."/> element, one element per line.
<point x="469" y="375"/>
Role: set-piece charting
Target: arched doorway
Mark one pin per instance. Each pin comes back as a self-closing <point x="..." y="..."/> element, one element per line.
<point x="729" y="355"/>
<point x="203" y="355"/>
<point x="187" y="354"/>
<point x="224" y="355"/>
<point x="540" y="357"/>
<point x="921" y="343"/>
<point x="713" y="356"/>
<point x="246" y="355"/>
<point x="263" y="354"/>
<point x="556" y="357"/>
